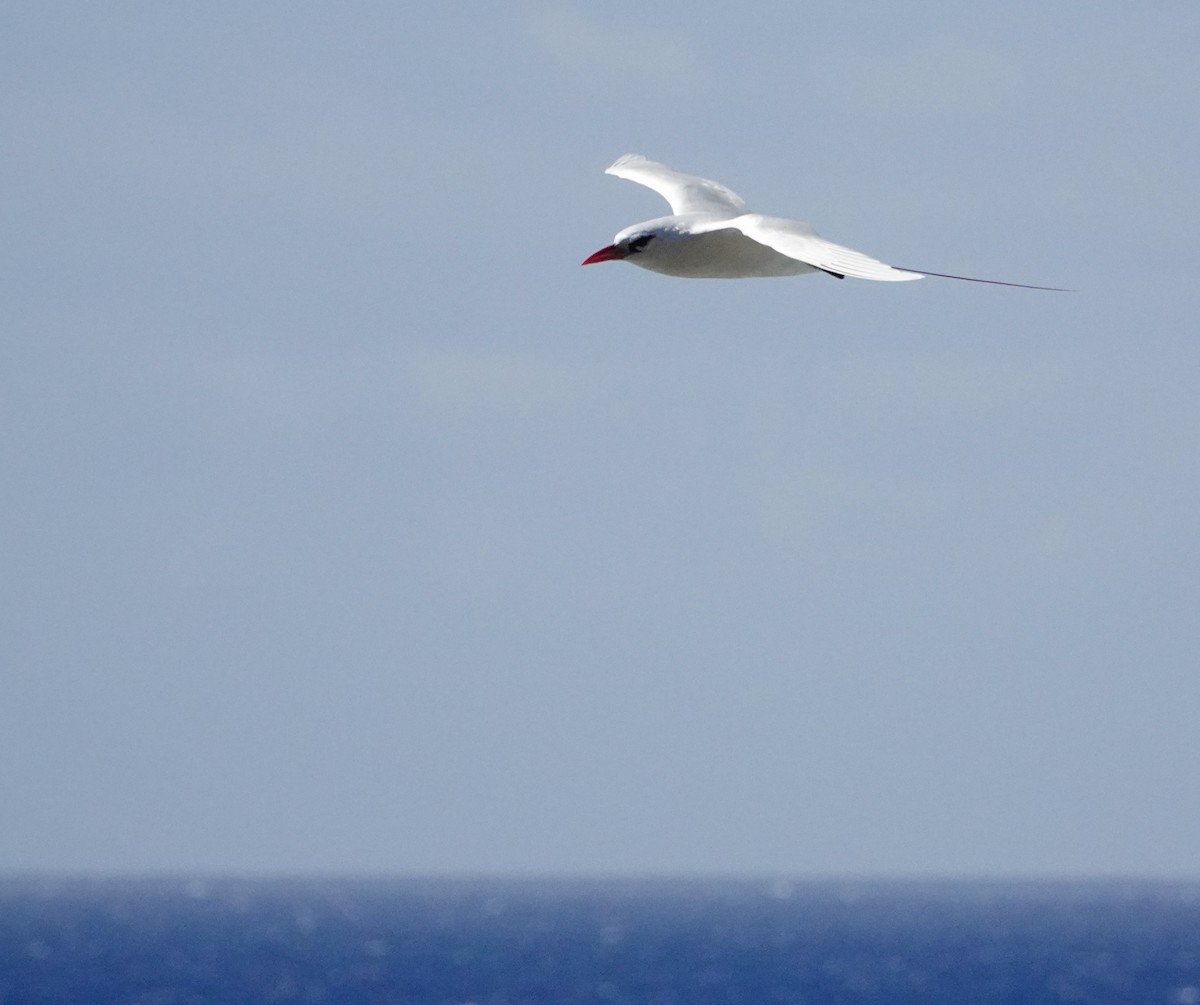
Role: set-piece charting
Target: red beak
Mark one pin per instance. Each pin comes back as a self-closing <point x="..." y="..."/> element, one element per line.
<point x="610" y="253"/>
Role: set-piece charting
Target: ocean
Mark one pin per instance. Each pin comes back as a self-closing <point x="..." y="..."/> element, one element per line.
<point x="181" y="940"/>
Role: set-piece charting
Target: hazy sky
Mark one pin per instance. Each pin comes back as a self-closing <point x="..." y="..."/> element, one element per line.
<point x="347" y="524"/>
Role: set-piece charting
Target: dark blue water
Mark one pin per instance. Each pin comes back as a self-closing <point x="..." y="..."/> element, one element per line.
<point x="668" y="942"/>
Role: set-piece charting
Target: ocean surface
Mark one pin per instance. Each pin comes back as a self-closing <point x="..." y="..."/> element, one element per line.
<point x="181" y="940"/>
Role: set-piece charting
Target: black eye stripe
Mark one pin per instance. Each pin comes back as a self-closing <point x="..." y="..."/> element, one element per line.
<point x="638" y="243"/>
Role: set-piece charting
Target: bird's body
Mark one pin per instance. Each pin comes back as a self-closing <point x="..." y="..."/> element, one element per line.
<point x="711" y="236"/>
<point x="683" y="247"/>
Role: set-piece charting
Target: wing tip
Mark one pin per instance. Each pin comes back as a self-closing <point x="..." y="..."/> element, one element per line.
<point x="625" y="160"/>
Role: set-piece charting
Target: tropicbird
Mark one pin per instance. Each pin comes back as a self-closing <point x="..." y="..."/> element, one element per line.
<point x="711" y="236"/>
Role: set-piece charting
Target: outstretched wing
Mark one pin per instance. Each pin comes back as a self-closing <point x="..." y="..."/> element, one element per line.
<point x="686" y="193"/>
<point x="796" y="240"/>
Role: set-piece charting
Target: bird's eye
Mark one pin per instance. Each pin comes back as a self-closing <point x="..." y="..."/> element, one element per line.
<point x="639" y="242"/>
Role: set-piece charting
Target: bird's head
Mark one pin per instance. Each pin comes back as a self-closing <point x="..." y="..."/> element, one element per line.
<point x="623" y="246"/>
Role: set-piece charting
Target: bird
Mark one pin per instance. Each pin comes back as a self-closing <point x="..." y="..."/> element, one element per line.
<point x="710" y="235"/>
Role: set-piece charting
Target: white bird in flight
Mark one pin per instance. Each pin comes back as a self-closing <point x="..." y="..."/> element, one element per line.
<point x="711" y="236"/>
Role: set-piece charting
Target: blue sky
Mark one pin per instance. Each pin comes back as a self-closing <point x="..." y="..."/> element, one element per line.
<point x="348" y="525"/>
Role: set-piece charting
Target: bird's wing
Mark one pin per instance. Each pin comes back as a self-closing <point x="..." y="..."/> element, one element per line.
<point x="686" y="193"/>
<point x="796" y="240"/>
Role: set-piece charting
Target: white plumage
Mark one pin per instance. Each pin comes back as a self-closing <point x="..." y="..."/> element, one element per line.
<point x="711" y="236"/>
